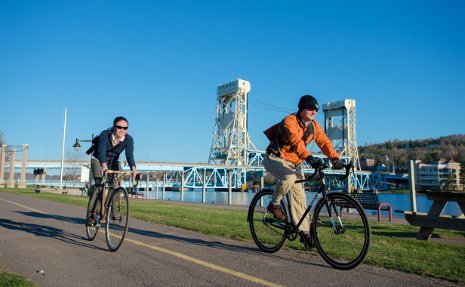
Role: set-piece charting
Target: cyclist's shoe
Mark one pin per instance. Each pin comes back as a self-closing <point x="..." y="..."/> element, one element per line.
<point x="307" y="240"/>
<point x="276" y="211"/>
<point x="90" y="221"/>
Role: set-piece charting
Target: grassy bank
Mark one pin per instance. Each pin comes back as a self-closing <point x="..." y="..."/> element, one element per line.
<point x="8" y="279"/>
<point x="393" y="245"/>
<point x="12" y="280"/>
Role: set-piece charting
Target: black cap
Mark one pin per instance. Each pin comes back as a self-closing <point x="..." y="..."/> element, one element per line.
<point x="308" y="101"/>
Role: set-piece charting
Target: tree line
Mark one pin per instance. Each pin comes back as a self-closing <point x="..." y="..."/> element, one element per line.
<point x="400" y="152"/>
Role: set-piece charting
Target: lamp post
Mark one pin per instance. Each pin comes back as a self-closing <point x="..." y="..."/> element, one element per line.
<point x="77" y="146"/>
<point x="63" y="150"/>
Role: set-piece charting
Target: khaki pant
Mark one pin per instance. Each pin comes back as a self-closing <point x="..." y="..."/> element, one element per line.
<point x="96" y="169"/>
<point x="286" y="174"/>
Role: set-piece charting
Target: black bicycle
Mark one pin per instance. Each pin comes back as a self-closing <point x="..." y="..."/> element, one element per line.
<point x="342" y="240"/>
<point x="111" y="209"/>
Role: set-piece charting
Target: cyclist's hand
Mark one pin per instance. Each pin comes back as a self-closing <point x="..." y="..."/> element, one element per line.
<point x="313" y="162"/>
<point x="104" y="169"/>
<point x="337" y="164"/>
<point x="136" y="175"/>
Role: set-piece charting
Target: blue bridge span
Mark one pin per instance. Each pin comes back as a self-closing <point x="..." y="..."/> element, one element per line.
<point x="200" y="175"/>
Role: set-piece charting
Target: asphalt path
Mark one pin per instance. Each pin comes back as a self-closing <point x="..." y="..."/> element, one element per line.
<point x="46" y="242"/>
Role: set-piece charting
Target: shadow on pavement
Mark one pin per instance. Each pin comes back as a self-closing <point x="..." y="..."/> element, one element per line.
<point x="76" y="220"/>
<point x="46" y="230"/>
<point x="222" y="246"/>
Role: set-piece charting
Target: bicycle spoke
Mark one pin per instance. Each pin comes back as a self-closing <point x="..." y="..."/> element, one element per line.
<point x="343" y="237"/>
<point x="117" y="219"/>
<point x="268" y="233"/>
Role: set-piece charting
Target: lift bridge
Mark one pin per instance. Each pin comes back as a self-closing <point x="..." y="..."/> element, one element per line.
<point x="231" y="143"/>
<point x="233" y="154"/>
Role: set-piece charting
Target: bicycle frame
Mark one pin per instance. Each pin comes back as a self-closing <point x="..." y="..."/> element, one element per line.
<point x="113" y="183"/>
<point x="342" y="243"/>
<point x="114" y="209"/>
<point x="321" y="191"/>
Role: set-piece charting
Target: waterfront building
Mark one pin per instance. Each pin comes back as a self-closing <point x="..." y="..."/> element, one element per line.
<point x="439" y="175"/>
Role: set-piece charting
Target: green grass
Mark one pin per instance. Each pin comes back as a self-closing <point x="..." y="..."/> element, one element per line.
<point x="12" y="280"/>
<point x="393" y="245"/>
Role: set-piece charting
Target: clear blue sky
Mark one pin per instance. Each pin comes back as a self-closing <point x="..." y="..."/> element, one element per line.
<point x="158" y="63"/>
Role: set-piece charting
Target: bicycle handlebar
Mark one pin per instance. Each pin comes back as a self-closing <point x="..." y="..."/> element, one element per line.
<point x="121" y="172"/>
<point x="137" y="174"/>
<point x="323" y="166"/>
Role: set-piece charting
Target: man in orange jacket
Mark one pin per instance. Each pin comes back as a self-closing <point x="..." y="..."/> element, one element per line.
<point x="285" y="154"/>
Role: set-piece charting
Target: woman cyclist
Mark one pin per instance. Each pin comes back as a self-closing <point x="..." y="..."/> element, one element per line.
<point x="105" y="154"/>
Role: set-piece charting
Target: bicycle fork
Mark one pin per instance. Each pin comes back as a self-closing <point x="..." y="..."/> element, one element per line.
<point x="331" y="207"/>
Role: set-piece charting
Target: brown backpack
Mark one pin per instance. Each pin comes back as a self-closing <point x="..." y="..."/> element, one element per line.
<point x="278" y="137"/>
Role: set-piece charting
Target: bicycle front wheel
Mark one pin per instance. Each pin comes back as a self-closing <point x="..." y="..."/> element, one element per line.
<point x="341" y="231"/>
<point x="268" y="233"/>
<point x="91" y="231"/>
<point x="117" y="219"/>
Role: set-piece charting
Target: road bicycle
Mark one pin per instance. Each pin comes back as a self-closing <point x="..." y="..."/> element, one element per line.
<point x="342" y="241"/>
<point x="111" y="209"/>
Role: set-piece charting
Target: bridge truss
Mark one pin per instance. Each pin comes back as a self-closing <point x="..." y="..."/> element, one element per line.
<point x="230" y="137"/>
<point x="232" y="153"/>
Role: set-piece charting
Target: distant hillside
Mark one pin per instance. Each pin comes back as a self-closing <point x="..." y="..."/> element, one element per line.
<point x="426" y="150"/>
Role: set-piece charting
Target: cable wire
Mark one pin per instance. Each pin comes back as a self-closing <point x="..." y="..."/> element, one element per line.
<point x="267" y="106"/>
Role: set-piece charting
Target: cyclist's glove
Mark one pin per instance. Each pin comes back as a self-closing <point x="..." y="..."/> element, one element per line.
<point x="104" y="171"/>
<point x="313" y="162"/>
<point x="337" y="163"/>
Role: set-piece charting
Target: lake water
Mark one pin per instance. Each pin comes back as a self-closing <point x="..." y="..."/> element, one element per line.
<point x="397" y="201"/>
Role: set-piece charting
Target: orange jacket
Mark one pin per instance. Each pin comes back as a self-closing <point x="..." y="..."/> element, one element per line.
<point x="296" y="152"/>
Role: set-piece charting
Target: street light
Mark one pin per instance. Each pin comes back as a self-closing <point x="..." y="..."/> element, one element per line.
<point x="77" y="146"/>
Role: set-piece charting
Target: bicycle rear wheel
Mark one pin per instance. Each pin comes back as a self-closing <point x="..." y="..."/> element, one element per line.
<point x="117" y="218"/>
<point x="91" y="231"/>
<point x="342" y="241"/>
<point x="268" y="233"/>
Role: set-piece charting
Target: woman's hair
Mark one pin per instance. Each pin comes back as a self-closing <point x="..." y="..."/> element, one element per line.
<point x="120" y="118"/>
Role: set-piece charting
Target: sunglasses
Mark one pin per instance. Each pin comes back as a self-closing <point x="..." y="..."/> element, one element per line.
<point x="120" y="127"/>
<point x="312" y="109"/>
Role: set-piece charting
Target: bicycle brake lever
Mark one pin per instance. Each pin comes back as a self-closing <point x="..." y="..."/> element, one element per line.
<point x="348" y="167"/>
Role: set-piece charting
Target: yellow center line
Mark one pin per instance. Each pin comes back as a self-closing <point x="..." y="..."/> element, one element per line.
<point x="205" y="264"/>
<point x="182" y="256"/>
<point x="23" y="206"/>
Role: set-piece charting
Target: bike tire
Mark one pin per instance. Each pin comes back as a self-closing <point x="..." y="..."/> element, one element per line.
<point x="117" y="219"/>
<point x="268" y="233"/>
<point x="91" y="231"/>
<point x="342" y="241"/>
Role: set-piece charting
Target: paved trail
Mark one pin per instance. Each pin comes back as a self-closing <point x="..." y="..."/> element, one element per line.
<point x="44" y="235"/>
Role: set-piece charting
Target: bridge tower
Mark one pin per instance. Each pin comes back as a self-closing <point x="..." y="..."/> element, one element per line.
<point x="340" y="128"/>
<point x="230" y="137"/>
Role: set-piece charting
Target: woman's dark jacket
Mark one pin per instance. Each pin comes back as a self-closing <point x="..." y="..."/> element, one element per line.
<point x="106" y="152"/>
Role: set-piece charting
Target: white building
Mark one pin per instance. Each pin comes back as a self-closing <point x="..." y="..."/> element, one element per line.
<point x="438" y="175"/>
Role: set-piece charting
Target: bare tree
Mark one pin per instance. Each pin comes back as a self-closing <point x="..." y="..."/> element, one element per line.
<point x="74" y="172"/>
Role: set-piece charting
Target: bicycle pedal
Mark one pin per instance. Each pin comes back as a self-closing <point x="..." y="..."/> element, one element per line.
<point x="307" y="241"/>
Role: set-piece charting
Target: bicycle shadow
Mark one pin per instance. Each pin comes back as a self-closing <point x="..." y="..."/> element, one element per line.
<point x="75" y="220"/>
<point x="45" y="231"/>
<point x="240" y="248"/>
